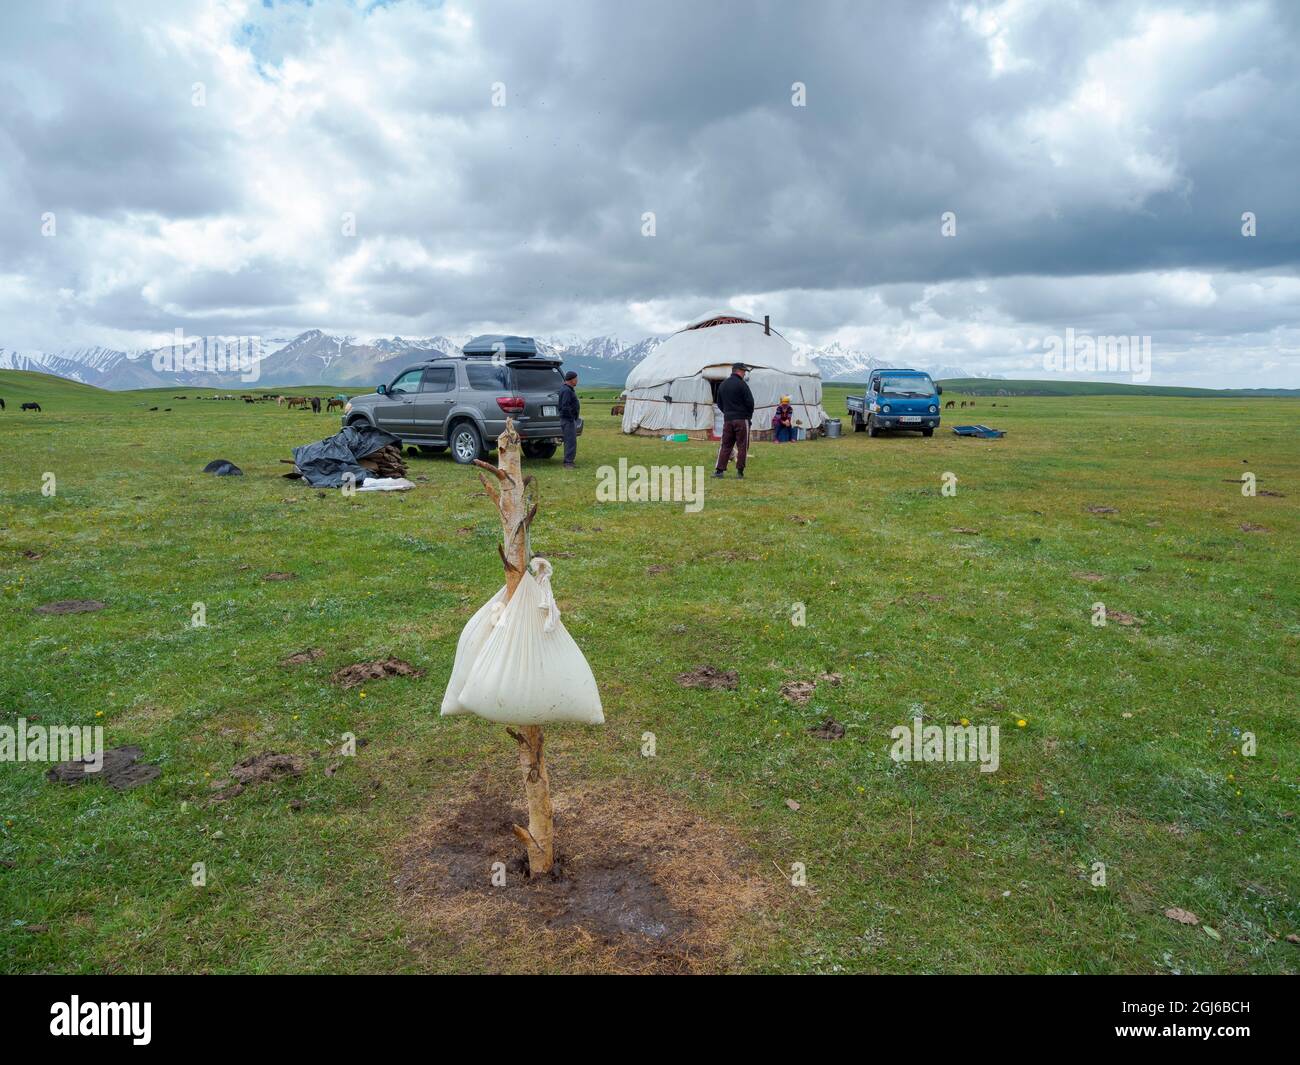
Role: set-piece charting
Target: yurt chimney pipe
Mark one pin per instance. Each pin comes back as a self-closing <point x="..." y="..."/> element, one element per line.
<point x="767" y="325"/>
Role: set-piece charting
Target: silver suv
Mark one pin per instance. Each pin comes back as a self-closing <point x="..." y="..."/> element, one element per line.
<point x="462" y="402"/>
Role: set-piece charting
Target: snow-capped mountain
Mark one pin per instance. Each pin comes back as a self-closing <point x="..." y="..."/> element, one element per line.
<point x="838" y="363"/>
<point x="87" y="365"/>
<point x="317" y="357"/>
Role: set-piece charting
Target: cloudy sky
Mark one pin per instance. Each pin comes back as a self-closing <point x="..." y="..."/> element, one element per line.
<point x="418" y="168"/>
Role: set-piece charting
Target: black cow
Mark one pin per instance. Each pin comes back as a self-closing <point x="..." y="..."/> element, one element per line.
<point x="315" y="404"/>
<point x="31" y="406"/>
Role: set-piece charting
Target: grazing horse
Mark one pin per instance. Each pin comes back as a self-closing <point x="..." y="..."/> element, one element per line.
<point x="963" y="404"/>
<point x="298" y="401"/>
<point x="331" y="404"/>
<point x="32" y="406"/>
<point x="315" y="404"/>
<point x="616" y="410"/>
<point x="948" y="405"/>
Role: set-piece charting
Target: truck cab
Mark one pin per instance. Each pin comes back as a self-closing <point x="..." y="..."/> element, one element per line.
<point x="897" y="399"/>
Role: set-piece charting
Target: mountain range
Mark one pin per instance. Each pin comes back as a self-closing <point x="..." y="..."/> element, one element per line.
<point x="316" y="357"/>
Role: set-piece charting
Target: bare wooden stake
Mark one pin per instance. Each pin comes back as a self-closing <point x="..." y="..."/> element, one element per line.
<point x="510" y="494"/>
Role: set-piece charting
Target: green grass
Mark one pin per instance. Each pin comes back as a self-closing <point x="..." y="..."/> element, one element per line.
<point x="1128" y="755"/>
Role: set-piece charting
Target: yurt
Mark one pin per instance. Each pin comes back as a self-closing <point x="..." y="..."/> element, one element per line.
<point x="673" y="389"/>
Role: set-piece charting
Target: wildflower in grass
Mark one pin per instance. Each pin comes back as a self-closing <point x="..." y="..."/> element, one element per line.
<point x="1021" y="723"/>
<point x="965" y="721"/>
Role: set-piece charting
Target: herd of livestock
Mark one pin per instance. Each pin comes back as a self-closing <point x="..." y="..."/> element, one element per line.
<point x="311" y="403"/>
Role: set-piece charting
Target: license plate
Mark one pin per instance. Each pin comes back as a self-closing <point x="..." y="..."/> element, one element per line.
<point x="550" y="412"/>
<point x="907" y="418"/>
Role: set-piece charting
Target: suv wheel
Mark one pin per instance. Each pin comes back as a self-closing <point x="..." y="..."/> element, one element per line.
<point x="466" y="444"/>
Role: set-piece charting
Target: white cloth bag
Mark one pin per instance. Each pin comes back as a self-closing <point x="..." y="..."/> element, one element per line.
<point x="517" y="664"/>
<point x="472" y="639"/>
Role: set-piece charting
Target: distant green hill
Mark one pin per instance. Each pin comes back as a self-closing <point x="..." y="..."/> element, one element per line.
<point x="983" y="386"/>
<point x="24" y="386"/>
<point x="60" y="394"/>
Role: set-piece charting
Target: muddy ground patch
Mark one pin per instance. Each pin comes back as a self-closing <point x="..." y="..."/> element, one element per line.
<point x="642" y="883"/>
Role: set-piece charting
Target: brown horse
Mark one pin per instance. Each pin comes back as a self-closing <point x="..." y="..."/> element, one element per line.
<point x="331" y="404"/>
<point x="298" y="401"/>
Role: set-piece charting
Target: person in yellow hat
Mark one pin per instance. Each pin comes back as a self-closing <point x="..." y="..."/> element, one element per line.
<point x="783" y="422"/>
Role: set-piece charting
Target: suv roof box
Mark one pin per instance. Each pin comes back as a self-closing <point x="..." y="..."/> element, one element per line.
<point x="491" y="343"/>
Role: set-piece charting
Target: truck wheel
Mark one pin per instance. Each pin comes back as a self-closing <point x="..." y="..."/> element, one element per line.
<point x="541" y="449"/>
<point x="871" y="427"/>
<point x="858" y="426"/>
<point x="466" y="444"/>
<point x="927" y="432"/>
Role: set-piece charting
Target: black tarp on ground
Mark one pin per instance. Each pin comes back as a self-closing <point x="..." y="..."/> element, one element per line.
<point x="323" y="464"/>
<point x="223" y="468"/>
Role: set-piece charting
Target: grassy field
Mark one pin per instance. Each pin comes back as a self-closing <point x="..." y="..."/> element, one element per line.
<point x="1119" y="744"/>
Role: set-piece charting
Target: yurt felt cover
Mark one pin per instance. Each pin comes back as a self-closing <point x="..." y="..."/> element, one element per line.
<point x="683" y="365"/>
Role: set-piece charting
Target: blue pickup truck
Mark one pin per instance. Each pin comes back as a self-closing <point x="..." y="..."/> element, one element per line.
<point x="896" y="399"/>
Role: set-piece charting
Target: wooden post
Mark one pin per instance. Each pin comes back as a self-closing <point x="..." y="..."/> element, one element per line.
<point x="511" y="495"/>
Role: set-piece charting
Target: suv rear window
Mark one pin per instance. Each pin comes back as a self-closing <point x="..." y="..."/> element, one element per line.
<point x="488" y="376"/>
<point x="439" y="379"/>
<point x="534" y="378"/>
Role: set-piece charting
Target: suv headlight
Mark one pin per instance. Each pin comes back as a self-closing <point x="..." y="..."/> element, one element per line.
<point x="885" y="408"/>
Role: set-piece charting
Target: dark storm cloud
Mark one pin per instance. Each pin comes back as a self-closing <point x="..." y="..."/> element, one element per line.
<point x="1070" y="140"/>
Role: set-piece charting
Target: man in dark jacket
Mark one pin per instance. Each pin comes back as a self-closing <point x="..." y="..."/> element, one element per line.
<point x="569" y="411"/>
<point x="737" y="403"/>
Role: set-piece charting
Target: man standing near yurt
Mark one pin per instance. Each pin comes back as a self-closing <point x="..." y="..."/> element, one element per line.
<point x="737" y="403"/>
<point x="570" y="408"/>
